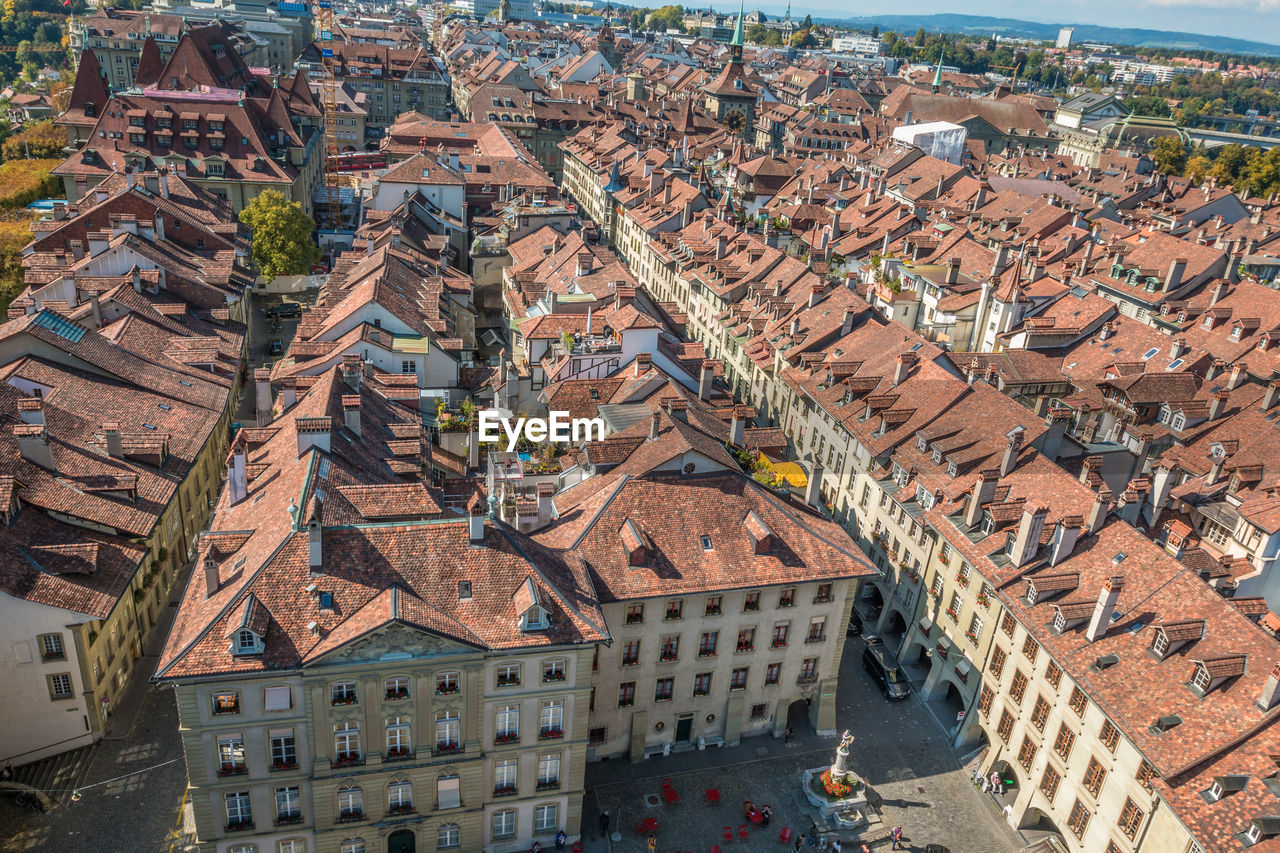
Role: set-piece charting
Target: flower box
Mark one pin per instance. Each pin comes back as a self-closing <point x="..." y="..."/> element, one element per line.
<point x="288" y="818"/>
<point x="504" y="790"/>
<point x="406" y="808"/>
<point x="972" y="636"/>
<point x="277" y="766"/>
<point x="935" y="594"/>
<point x="508" y="681"/>
<point x="984" y="599"/>
<point x="548" y="784"/>
<point x="350" y="816"/>
<point x="344" y="700"/>
<point x="447" y="748"/>
<point x="550" y="734"/>
<point x="552" y="676"/>
<point x="506" y="737"/>
<point x="400" y="693"/>
<point x="347" y="760"/>
<point x="398" y="753"/>
<point x="778" y="644"/>
<point x="446" y="691"/>
<point x="962" y="578"/>
<point x="237" y="770"/>
<point x="239" y="825"/>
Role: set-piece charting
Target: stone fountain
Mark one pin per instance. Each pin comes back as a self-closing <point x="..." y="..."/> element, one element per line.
<point x="847" y="810"/>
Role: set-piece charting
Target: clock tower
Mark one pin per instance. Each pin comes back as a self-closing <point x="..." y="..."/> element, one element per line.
<point x="730" y="97"/>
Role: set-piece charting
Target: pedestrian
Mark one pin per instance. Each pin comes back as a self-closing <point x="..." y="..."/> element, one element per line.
<point x="995" y="783"/>
<point x="653" y="843"/>
<point x="986" y="784"/>
<point x="561" y="839"/>
<point x="536" y="848"/>
<point x="604" y="823"/>
<point x="798" y="843"/>
<point x="835" y="845"/>
<point x="787" y="735"/>
<point x="8" y="770"/>
<point x="896" y="835"/>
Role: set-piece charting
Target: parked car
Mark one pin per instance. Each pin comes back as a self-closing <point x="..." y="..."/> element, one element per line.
<point x="285" y="309"/>
<point x="855" y="625"/>
<point x="883" y="667"/>
<point x="275" y="347"/>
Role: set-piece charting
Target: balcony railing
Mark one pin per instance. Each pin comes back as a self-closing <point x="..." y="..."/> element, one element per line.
<point x="399" y="753"/>
<point x="233" y="770"/>
<point x="347" y="759"/>
<point x="288" y="818"/>
<point x="451" y="747"/>
<point x="350" y="815"/>
<point x="550" y="733"/>
<point x="239" y="825"/>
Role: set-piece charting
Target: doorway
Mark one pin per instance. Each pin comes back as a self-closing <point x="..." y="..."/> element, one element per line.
<point x="401" y="841"/>
<point x="684" y="728"/>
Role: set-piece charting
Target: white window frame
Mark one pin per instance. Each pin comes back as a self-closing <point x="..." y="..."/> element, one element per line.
<point x="546" y="817"/>
<point x="503" y="824"/>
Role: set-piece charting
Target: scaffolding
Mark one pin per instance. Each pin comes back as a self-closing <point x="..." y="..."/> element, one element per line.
<point x="329" y="108"/>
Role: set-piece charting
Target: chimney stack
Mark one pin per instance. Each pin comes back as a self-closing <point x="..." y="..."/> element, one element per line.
<point x="115" y="446"/>
<point x="655" y="420"/>
<point x="705" y="379"/>
<point x="262" y="395"/>
<point x="642" y="362"/>
<point x="1239" y="372"/>
<point x="1218" y="404"/>
<point x="984" y="491"/>
<point x="678" y="409"/>
<point x="33" y="444"/>
<point x="815" y="295"/>
<point x="1271" y="395"/>
<point x="475" y="518"/>
<point x="31" y="410"/>
<point x="1027" y="540"/>
<point x="1064" y="540"/>
<point x="953" y="270"/>
<point x="1098" y="512"/>
<point x="1101" y="619"/>
<point x="813" y="488"/>
<point x="351" y="412"/>
<point x="237" y="481"/>
<point x="850" y="317"/>
<point x="1174" y="278"/>
<point x="211" y="579"/>
<point x="1012" y="446"/>
<point x="546" y="491"/>
<point x="738" y="425"/>
<point x="902" y="367"/>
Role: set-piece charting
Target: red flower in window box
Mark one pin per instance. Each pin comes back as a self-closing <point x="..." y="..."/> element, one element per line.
<point x="237" y="825"/>
<point x="446" y="747"/>
<point x="349" y="816"/>
<point x="234" y="770"/>
<point x="398" y="752"/>
<point x="404" y="808"/>
<point x="398" y="693"/>
<point x="548" y="784"/>
<point x="506" y="737"/>
<point x="446" y="690"/>
<point x="346" y="759"/>
<point x="504" y="790"/>
<point x="551" y="733"/>
<point x="284" y="765"/>
<point x="344" y="700"/>
<point x="553" y="676"/>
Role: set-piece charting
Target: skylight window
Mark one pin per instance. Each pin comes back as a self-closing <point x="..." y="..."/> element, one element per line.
<point x="1149" y="353"/>
<point x="148" y="426"/>
<point x="706" y="542"/>
<point x="1175" y="364"/>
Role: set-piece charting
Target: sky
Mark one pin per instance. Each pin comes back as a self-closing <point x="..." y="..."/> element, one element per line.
<point x="1257" y="20"/>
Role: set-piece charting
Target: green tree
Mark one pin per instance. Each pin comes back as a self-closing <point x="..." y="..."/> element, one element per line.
<point x="803" y="38"/>
<point x="807" y="23"/>
<point x="875" y="31"/>
<point x="40" y="140"/>
<point x="1262" y="175"/>
<point x="1170" y="155"/>
<point x="1231" y="162"/>
<point x="667" y="18"/>
<point x="282" y="235"/>
<point x="918" y="41"/>
<point x="1198" y="167"/>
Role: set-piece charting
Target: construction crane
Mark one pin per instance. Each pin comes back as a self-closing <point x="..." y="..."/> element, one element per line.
<point x="329" y="108"/>
<point x="1013" y="87"/>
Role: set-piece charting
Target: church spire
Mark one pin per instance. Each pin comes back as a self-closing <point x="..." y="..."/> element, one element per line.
<point x="735" y="44"/>
<point x="937" y="74"/>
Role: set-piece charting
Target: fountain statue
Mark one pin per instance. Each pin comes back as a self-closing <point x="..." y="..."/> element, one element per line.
<point x="838" y="793"/>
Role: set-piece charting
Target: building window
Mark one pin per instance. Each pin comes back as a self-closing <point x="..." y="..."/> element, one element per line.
<point x="746" y="640"/>
<point x="1130" y="818"/>
<point x="669" y="650"/>
<point x="60" y="686"/>
<point x="551" y="719"/>
<point x="352" y="845"/>
<point x="738" y="678"/>
<point x="397" y="687"/>
<point x="51" y="647"/>
<point x="350" y="803"/>
<point x="347" y="742"/>
<point x="817" y="630"/>
<point x="226" y="703"/>
<point x="985" y="698"/>
<point x="546" y="817"/>
<point x="284" y="751"/>
<point x="808" y="670"/>
<point x="1027" y="753"/>
<point x="707" y="643"/>
<point x="504" y="824"/>
<point x="1094" y="774"/>
<point x="1005" y="728"/>
<point x="635" y="614"/>
<point x="1030" y="649"/>
<point x="626" y="694"/>
<point x="787" y="598"/>
<point x="448" y="683"/>
<point x="507" y="724"/>
<point x="702" y="684"/>
<point x="1078" y="701"/>
<point x="823" y="595"/>
<point x="751" y="603"/>
<point x="1064" y="741"/>
<point x="1008" y="624"/>
<point x="1040" y="713"/>
<point x="715" y="604"/>
<point x="509" y="675"/>
<point x="548" y="771"/>
<point x="1079" y="819"/>
<point x="504" y="776"/>
<point x="448" y="731"/>
<point x="998" y="657"/>
<point x="277" y="699"/>
<point x="239" y="812"/>
<point x="399" y="744"/>
<point x="598" y="735"/>
<point x="344" y="693"/>
<point x="664" y="690"/>
<point x="1053" y="674"/>
<point x="1110" y="736"/>
<point x="780" y="632"/>
<point x="1145" y="774"/>
<point x="448" y="836"/>
<point x="288" y="805"/>
<point x="675" y="610"/>
<point x="448" y="791"/>
<point x="631" y="653"/>
<point x="231" y="755"/>
<point x="1018" y="687"/>
<point x="1049" y="782"/>
<point x="399" y="797"/>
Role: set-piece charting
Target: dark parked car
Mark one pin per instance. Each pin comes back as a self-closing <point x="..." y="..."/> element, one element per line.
<point x="285" y="309"/>
<point x="882" y="666"/>
<point x="275" y="347"/>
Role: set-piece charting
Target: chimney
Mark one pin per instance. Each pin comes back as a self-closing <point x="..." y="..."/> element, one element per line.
<point x="96" y="308"/>
<point x="164" y="185"/>
<point x="137" y="279"/>
<point x="584" y="263"/>
<point x="901" y="367"/>
<point x="1012" y="446"/>
<point x="1101" y="619"/>
<point x="1178" y="347"/>
<point x="1174" y="278"/>
<point x="31" y="410"/>
<point x="655" y="420"/>
<point x="262" y="395"/>
<point x="115" y="447"/>
<point x="705" y="379"/>
<point x="237" y="483"/>
<point x="159" y="228"/>
<point x="315" y="545"/>
<point x="1002" y="255"/>
<point x="1027" y="540"/>
<point x="678" y="409"/>
<point x="211" y="579"/>
<point x="33" y="444"/>
<point x="1218" y="291"/>
<point x="475" y="520"/>
<point x="313" y="432"/>
<point x="546" y="491"/>
<point x="738" y="424"/>
<point x="351" y="412"/>
<point x="815" y="295"/>
<point x="1219" y="456"/>
<point x="813" y="488"/>
<point x="795" y="326"/>
<point x="642" y="363"/>
<point x="1064" y="540"/>
<point x="1218" y="404"/>
<point x="1270" y="690"/>
<point x="984" y="491"/>
<point x="953" y="270"/>
<point x="1098" y="512"/>
<point x="1239" y="372"/>
<point x="288" y="394"/>
<point x="850" y="317"/>
<point x="1271" y="395"/>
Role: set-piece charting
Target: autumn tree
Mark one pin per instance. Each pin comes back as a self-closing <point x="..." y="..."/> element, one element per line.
<point x="282" y="235"/>
<point x="1170" y="154"/>
<point x="40" y="140"/>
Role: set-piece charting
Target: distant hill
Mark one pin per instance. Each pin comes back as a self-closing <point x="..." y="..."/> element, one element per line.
<point x="978" y="25"/>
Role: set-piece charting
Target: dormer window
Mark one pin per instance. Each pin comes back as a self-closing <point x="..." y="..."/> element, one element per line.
<point x="1160" y="645"/>
<point x="1031" y="592"/>
<point x="1235" y="332"/>
<point x="952" y="469"/>
<point x="937" y="456"/>
<point x="1215" y="792"/>
<point x="921" y="444"/>
<point x="1200" y="680"/>
<point x="535" y="618"/>
<point x="988" y="524"/>
<point x="924" y="497"/>
<point x="247" y="643"/>
<point x="1208" y="322"/>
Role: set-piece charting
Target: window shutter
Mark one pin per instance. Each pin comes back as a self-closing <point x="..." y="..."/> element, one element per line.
<point x="278" y="699"/>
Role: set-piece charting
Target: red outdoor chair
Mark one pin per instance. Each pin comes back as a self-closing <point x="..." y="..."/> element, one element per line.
<point x="785" y="835"/>
<point x="743" y="835"/>
<point x="728" y="834"/>
<point x="713" y="796"/>
<point x="715" y="848"/>
<point x="577" y="847"/>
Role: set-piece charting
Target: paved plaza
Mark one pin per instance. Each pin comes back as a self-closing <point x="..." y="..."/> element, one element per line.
<point x="900" y="750"/>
